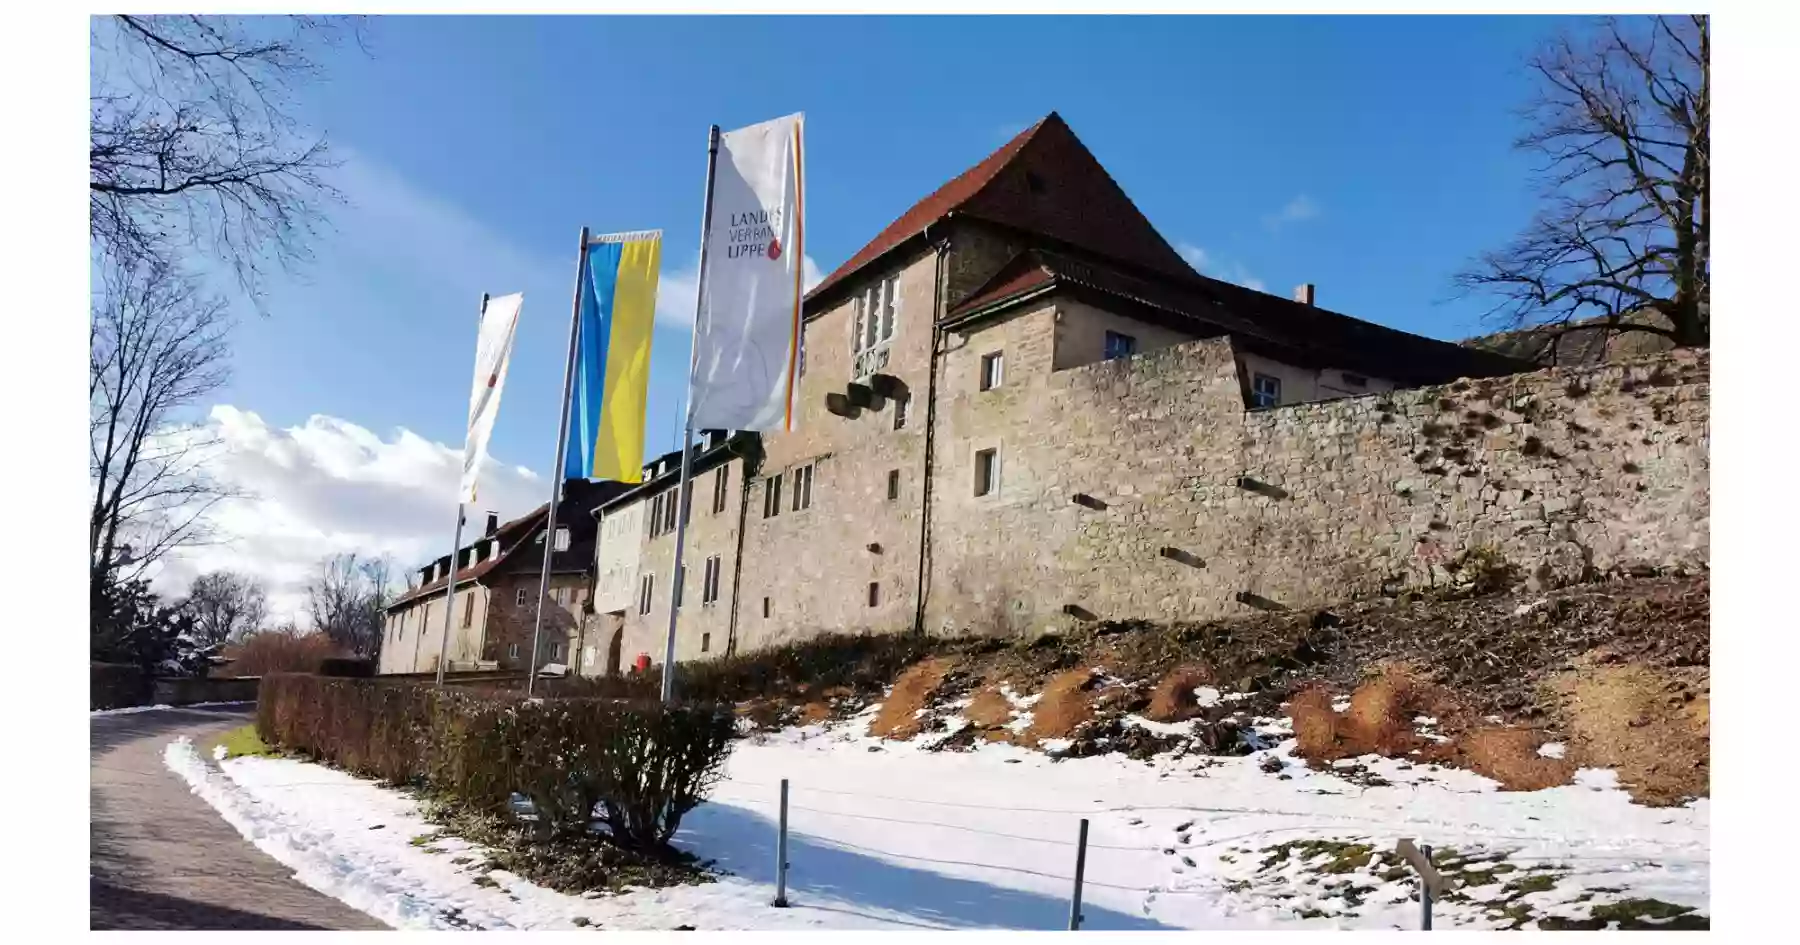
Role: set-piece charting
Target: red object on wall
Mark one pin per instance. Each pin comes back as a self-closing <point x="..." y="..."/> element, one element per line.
<point x="642" y="663"/>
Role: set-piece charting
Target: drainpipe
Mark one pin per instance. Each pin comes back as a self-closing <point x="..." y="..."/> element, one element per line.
<point x="941" y="246"/>
<point x="745" y="471"/>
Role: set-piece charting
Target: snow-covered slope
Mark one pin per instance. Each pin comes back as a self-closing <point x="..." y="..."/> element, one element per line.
<point x="890" y="835"/>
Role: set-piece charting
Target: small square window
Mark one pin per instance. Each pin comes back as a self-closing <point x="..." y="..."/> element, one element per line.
<point x="987" y="472"/>
<point x="705" y="642"/>
<point x="1265" y="390"/>
<point x="520" y="599"/>
<point x="1120" y="345"/>
<point x="993" y="370"/>
<point x="893" y="484"/>
<point x="874" y="593"/>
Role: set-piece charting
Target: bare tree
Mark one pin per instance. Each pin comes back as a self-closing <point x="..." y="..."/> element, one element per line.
<point x="157" y="348"/>
<point x="193" y="140"/>
<point x="1624" y="122"/>
<point x="347" y="601"/>
<point x="227" y="606"/>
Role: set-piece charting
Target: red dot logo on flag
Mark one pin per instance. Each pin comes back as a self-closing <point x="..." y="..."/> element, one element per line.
<point x="774" y="249"/>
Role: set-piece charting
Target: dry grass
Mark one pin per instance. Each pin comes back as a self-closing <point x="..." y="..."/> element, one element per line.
<point x="899" y="717"/>
<point x="1651" y="725"/>
<point x="1064" y="708"/>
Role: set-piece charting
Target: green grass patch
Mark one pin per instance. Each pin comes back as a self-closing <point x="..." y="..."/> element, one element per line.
<point x="242" y="742"/>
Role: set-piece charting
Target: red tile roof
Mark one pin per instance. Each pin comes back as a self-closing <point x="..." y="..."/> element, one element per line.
<point x="1044" y="182"/>
<point x="511" y="536"/>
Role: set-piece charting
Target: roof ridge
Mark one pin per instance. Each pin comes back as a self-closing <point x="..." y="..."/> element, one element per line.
<point x="975" y="179"/>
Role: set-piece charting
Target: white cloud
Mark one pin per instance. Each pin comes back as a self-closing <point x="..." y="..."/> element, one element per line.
<point x="676" y="290"/>
<point x="1230" y="271"/>
<point x="331" y="486"/>
<point x="1300" y="208"/>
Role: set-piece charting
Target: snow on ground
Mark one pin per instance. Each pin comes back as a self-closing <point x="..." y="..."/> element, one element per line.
<point x="889" y="835"/>
<point x="128" y="710"/>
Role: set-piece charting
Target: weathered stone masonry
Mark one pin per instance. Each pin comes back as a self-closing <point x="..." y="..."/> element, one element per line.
<point x="1561" y="472"/>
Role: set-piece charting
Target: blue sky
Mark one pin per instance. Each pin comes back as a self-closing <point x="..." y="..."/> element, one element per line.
<point x="1370" y="155"/>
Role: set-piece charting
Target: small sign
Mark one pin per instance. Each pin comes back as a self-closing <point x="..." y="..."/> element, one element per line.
<point x="1428" y="874"/>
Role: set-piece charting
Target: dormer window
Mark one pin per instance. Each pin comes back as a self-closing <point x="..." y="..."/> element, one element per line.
<point x="562" y="539"/>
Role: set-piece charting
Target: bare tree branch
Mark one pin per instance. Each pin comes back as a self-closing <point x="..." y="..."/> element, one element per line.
<point x="226" y="607"/>
<point x="193" y="143"/>
<point x="158" y="350"/>
<point x="1623" y="121"/>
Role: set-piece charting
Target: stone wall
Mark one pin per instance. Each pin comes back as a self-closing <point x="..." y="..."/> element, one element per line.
<point x="705" y="628"/>
<point x="814" y="566"/>
<point x="1191" y="507"/>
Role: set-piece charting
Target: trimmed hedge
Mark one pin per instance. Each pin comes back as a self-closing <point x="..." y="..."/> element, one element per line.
<point x="117" y="686"/>
<point x="639" y="765"/>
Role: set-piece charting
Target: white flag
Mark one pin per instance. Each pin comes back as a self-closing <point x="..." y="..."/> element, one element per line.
<point x="748" y="324"/>
<point x="493" y="350"/>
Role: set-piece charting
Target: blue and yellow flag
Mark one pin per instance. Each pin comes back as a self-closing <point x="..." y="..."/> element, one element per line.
<point x="612" y="357"/>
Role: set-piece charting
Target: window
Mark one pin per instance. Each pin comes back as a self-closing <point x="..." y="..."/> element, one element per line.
<point x="520" y="598"/>
<point x="721" y="481"/>
<point x="765" y="608"/>
<point x="469" y="608"/>
<point x="874" y="593"/>
<point x="803" y="479"/>
<point x="556" y="652"/>
<point x="512" y="651"/>
<point x="772" y="496"/>
<point x="646" y="585"/>
<point x="562" y="539"/>
<point x="987" y="472"/>
<point x="1265" y="391"/>
<point x="1120" y="345"/>
<point x="680" y="583"/>
<point x="705" y="642"/>
<point x="901" y="409"/>
<point x="874" y="317"/>
<point x="709" y="581"/>
<point x="662" y="513"/>
<point x="893" y="484"/>
<point x="993" y="370"/>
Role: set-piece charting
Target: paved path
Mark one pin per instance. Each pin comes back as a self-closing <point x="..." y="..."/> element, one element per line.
<point x="159" y="857"/>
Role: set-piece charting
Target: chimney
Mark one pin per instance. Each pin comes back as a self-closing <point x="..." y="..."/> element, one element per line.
<point x="1303" y="293"/>
<point x="493" y="524"/>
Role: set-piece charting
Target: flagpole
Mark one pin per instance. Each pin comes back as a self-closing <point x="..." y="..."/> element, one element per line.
<point x="687" y="421"/>
<point x="556" y="471"/>
<point x="450" y="601"/>
<point x="455" y="546"/>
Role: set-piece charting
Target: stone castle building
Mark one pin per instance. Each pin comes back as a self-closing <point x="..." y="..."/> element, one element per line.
<point x="1020" y="409"/>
